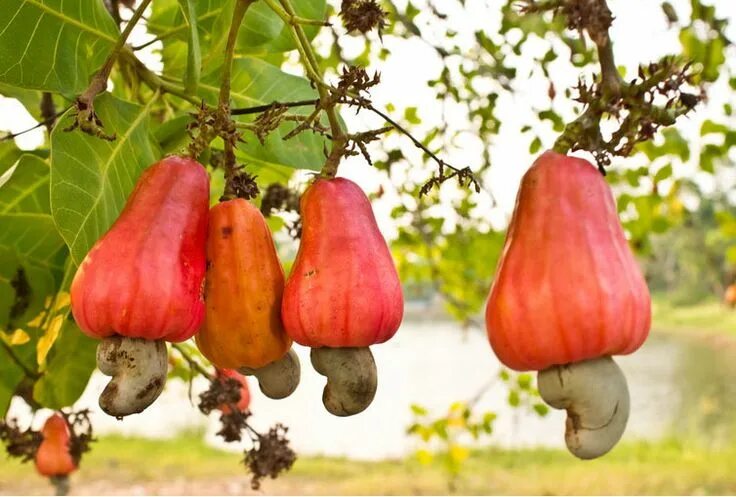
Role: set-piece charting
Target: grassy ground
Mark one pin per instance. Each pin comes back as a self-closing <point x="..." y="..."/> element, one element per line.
<point x="186" y="466"/>
<point x="711" y="317"/>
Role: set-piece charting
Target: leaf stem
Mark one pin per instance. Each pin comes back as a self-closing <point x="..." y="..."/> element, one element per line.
<point x="49" y="120"/>
<point x="154" y="81"/>
<point x="99" y="81"/>
<point x="193" y="364"/>
<point x="223" y="107"/>
<point x="294" y="19"/>
<point x="311" y="67"/>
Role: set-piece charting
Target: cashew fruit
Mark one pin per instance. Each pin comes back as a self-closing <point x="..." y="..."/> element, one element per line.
<point x="243" y="289"/>
<point x="567" y="287"/>
<point x="343" y="293"/>
<point x="138" y="368"/>
<point x="143" y="278"/>
<point x="596" y="397"/>
<point x="343" y="290"/>
<point x="53" y="457"/>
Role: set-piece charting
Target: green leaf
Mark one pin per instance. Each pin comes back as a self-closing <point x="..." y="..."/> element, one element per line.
<point x="411" y="115"/>
<point x="194" y="54"/>
<point x="91" y="178"/>
<point x="524" y="381"/>
<point x="541" y="409"/>
<point x="53" y="45"/>
<point x="69" y="367"/>
<point x="256" y="82"/>
<point x="663" y="173"/>
<point x="535" y="145"/>
<point x="418" y="410"/>
<point x="31" y="251"/>
<point x="25" y="186"/>
<point x="10" y="375"/>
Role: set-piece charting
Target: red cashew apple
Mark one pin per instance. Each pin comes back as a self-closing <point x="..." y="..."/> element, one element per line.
<point x="343" y="293"/>
<point x="244" y="285"/>
<point x="567" y="295"/>
<point x="244" y="402"/>
<point x="141" y="283"/>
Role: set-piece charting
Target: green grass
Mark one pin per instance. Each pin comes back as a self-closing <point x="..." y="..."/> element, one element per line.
<point x="186" y="465"/>
<point x="709" y="317"/>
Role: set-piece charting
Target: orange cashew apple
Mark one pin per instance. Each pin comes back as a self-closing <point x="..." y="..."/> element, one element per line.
<point x="53" y="457"/>
<point x="244" y="286"/>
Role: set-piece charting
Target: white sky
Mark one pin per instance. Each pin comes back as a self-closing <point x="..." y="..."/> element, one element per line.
<point x="640" y="35"/>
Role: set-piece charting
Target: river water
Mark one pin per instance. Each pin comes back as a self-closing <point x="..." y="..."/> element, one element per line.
<point x="678" y="386"/>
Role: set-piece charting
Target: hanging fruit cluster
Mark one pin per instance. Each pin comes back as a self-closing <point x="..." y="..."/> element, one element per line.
<point x="167" y="270"/>
<point x="568" y="295"/>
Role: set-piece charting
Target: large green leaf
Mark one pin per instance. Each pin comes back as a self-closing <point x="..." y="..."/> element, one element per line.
<point x="255" y="82"/>
<point x="25" y="186"/>
<point x="11" y="373"/>
<point x="262" y="32"/>
<point x="53" y="45"/>
<point x="91" y="178"/>
<point x="31" y="251"/>
<point x="69" y="367"/>
<point x="9" y="155"/>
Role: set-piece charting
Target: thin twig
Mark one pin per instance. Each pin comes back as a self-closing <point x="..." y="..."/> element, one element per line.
<point x="303" y="103"/>
<point x="193" y="364"/>
<point x="263" y="108"/>
<point x="45" y="122"/>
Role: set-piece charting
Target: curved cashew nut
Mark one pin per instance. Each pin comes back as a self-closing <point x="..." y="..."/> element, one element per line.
<point x="596" y="398"/>
<point x="279" y="379"/>
<point x="138" y="368"/>
<point x="352" y="378"/>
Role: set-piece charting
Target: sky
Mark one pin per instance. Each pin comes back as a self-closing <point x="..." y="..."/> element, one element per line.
<point x="640" y="35"/>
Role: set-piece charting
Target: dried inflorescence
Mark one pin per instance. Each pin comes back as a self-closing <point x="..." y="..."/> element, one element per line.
<point x="655" y="98"/>
<point x="465" y="178"/>
<point x="24" y="444"/>
<point x="591" y="15"/>
<point x="362" y="15"/>
<point x="240" y="184"/>
<point x="271" y="453"/>
<point x="222" y="391"/>
<point x="19" y="443"/>
<point x="270" y="456"/>
<point x="81" y="433"/>
<point x="225" y="391"/>
<point x="207" y="124"/>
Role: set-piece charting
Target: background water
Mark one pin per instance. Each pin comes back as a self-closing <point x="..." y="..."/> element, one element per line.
<point x="678" y="386"/>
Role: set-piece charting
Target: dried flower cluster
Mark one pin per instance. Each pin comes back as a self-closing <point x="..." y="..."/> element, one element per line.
<point x="362" y="15"/>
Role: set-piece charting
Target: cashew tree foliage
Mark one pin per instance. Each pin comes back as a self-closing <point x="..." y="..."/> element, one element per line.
<point x="260" y="91"/>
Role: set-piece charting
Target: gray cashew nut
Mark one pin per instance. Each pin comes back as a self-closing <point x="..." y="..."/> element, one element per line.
<point x="279" y="379"/>
<point x="352" y="378"/>
<point x="595" y="395"/>
<point x="138" y="368"/>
